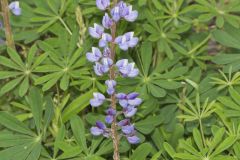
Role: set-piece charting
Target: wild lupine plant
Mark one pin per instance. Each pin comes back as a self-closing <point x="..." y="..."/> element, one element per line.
<point x="105" y="63"/>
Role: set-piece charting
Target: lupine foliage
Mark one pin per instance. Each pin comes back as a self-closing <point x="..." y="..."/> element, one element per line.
<point x="186" y="55"/>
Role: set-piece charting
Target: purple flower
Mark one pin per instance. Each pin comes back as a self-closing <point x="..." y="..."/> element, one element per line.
<point x="128" y="129"/>
<point x="129" y="111"/>
<point x="98" y="99"/>
<point x="129" y="14"/>
<point x="106" y="52"/>
<point x="100" y="129"/>
<point x="115" y="12"/>
<point x="103" y="67"/>
<point x="107" y="63"/>
<point x="126" y="41"/>
<point x="122" y="8"/>
<point x="127" y="69"/>
<point x="133" y="139"/>
<point x="105" y="39"/>
<point x="133" y="100"/>
<point x="111" y="86"/>
<point x="102" y="4"/>
<point x="124" y="122"/>
<point x="95" y="55"/>
<point x="99" y="69"/>
<point x="15" y="8"/>
<point x="110" y="115"/>
<point x="107" y="22"/>
<point x="128" y="100"/>
<point x="96" y="31"/>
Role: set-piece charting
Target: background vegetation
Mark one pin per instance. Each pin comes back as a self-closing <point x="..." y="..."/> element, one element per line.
<point x="188" y="55"/>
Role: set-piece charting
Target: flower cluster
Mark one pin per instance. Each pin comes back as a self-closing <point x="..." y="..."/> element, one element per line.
<point x="128" y="103"/>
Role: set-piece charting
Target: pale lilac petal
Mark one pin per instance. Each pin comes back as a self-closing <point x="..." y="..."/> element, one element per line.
<point x="115" y="12"/>
<point x="133" y="42"/>
<point x="96" y="31"/>
<point x="128" y="129"/>
<point x="107" y="22"/>
<point x="98" y="69"/>
<point x="96" y="131"/>
<point x="133" y="139"/>
<point x="132" y="95"/>
<point x="133" y="73"/>
<point x="124" y="122"/>
<point x="109" y="119"/>
<point x="130" y="111"/>
<point x="15" y="8"/>
<point x="121" y="96"/>
<point x="100" y="125"/>
<point x="106" y="52"/>
<point x="135" y="102"/>
<point x="123" y="103"/>
<point x="102" y="4"/>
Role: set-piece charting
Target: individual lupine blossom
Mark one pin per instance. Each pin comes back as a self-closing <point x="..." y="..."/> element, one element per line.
<point x="96" y="31"/>
<point x="106" y="38"/>
<point x="110" y="115"/>
<point x="15" y="8"/>
<point x="107" y="22"/>
<point x="126" y="69"/>
<point x="100" y="129"/>
<point x="111" y="86"/>
<point x="103" y="4"/>
<point x="123" y="11"/>
<point x="103" y="63"/>
<point x="98" y="99"/>
<point x="128" y="130"/>
<point x="126" y="41"/>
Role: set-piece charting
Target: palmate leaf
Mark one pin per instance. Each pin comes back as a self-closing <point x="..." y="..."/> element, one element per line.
<point x="20" y="73"/>
<point x="49" y="13"/>
<point x="23" y="146"/>
<point x="61" y="67"/>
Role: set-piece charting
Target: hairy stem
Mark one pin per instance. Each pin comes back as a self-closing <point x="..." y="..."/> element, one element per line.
<point x="115" y="136"/>
<point x="7" y="26"/>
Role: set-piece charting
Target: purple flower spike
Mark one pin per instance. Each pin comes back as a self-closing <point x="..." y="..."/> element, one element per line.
<point x="115" y="12"/>
<point x="103" y="4"/>
<point x="98" y="99"/>
<point x="128" y="129"/>
<point x="111" y="86"/>
<point x="15" y="8"/>
<point x="96" y="31"/>
<point x="107" y="22"/>
<point x="133" y="139"/>
<point x="126" y="41"/>
<point x="106" y="38"/>
<point x="129" y="111"/>
<point x="130" y="15"/>
<point x="95" y="55"/>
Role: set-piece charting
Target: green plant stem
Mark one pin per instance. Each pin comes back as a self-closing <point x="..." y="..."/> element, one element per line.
<point x="8" y="32"/>
<point x="202" y="133"/>
<point x="65" y="25"/>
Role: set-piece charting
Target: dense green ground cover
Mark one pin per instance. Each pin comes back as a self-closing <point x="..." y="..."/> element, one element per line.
<point x="189" y="61"/>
